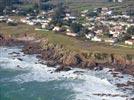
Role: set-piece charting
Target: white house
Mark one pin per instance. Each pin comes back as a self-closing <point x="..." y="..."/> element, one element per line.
<point x="132" y="37"/>
<point x="83" y="15"/>
<point x="10" y="20"/>
<point x="109" y="12"/>
<point x="23" y="20"/>
<point x="84" y="11"/>
<point x="129" y="42"/>
<point x="91" y="28"/>
<point x="117" y="0"/>
<point x="71" y="34"/>
<point x="68" y="15"/>
<point x="98" y="32"/>
<point x="56" y="28"/>
<point x="3" y="18"/>
<point x="96" y="39"/>
<point x="89" y="36"/>
<point x="44" y="25"/>
<point x="31" y="23"/>
<point x="109" y="40"/>
<point x="68" y="30"/>
<point x="72" y="17"/>
<point x="49" y="19"/>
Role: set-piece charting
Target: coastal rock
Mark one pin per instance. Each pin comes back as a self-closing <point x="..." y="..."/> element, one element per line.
<point x="47" y="54"/>
<point x="14" y="53"/>
<point x="62" y="68"/>
<point x="51" y="63"/>
<point x="20" y="59"/>
<point x="78" y="72"/>
<point x="1" y="37"/>
<point x="32" y="48"/>
<point x="91" y="64"/>
<point x="98" y="68"/>
<point x="57" y="54"/>
<point x="72" y="60"/>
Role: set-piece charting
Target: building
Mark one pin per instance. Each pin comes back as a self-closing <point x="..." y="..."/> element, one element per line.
<point x="4" y="4"/>
<point x="117" y="0"/>
<point x="129" y="42"/>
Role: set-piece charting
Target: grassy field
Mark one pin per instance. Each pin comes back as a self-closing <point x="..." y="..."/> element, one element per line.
<point x="80" y="5"/>
<point x="69" y="43"/>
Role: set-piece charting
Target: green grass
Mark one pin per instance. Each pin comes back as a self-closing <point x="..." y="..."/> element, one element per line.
<point x="27" y="6"/>
<point x="70" y="43"/>
<point x="84" y="46"/>
<point x="15" y="30"/>
<point x="79" y="6"/>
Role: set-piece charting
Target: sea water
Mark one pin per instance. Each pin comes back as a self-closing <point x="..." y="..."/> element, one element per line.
<point x="22" y="77"/>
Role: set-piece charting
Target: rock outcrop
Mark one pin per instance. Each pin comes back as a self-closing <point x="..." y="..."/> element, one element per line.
<point x="56" y="54"/>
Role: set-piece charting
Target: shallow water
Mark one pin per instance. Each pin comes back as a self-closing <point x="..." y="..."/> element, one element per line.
<point x="22" y="77"/>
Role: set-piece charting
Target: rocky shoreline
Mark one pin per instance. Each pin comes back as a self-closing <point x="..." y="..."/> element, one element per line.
<point x="58" y="55"/>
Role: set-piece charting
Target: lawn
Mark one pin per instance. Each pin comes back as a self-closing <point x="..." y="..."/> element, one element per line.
<point x="69" y="43"/>
<point x="80" y="5"/>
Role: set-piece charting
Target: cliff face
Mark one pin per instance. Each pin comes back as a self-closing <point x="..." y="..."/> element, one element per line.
<point x="57" y="54"/>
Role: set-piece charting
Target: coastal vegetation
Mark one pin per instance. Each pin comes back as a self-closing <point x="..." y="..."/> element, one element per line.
<point x="71" y="43"/>
<point x="69" y="51"/>
<point x="78" y="41"/>
<point x="92" y="38"/>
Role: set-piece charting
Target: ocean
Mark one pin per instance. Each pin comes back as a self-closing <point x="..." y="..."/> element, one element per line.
<point x="23" y="77"/>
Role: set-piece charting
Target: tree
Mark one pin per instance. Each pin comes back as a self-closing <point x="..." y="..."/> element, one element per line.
<point x="76" y="27"/>
<point x="124" y="37"/>
<point x="47" y="6"/>
<point x="85" y="30"/>
<point x="36" y="6"/>
<point x="92" y="14"/>
<point x="59" y="14"/>
<point x="130" y="30"/>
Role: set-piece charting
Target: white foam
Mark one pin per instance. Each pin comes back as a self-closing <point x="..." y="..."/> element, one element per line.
<point x="88" y="83"/>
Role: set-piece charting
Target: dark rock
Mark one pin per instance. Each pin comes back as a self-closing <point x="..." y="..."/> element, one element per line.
<point x="115" y="74"/>
<point x="20" y="59"/>
<point x="58" y="69"/>
<point x="18" y="66"/>
<point x="32" y="48"/>
<point x="1" y="37"/>
<point x="98" y="68"/>
<point x="66" y="69"/>
<point x="51" y="72"/>
<point x="62" y="68"/>
<point x="78" y="72"/>
<point x="130" y="83"/>
<point x="91" y="65"/>
<point x="42" y="62"/>
<point x="51" y="63"/>
<point x="121" y="85"/>
<point x="36" y="63"/>
<point x="14" y="53"/>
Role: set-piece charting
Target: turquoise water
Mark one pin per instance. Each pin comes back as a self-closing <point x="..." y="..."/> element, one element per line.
<point x="27" y="79"/>
<point x="34" y="90"/>
<point x="31" y="90"/>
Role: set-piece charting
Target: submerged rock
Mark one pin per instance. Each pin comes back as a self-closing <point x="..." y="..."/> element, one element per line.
<point x="78" y="72"/>
<point x="20" y="59"/>
<point x="19" y="66"/>
<point x="17" y="53"/>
